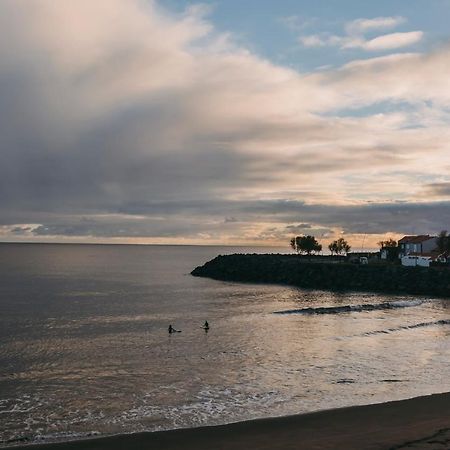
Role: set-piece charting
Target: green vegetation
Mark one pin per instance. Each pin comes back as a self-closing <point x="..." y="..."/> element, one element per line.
<point x="306" y="244"/>
<point x="443" y="242"/>
<point x="309" y="244"/>
<point x="339" y="247"/>
<point x="390" y="243"/>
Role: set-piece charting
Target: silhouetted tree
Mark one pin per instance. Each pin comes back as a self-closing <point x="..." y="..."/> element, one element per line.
<point x="339" y="246"/>
<point x="391" y="248"/>
<point x="389" y="243"/>
<point x="333" y="247"/>
<point x="443" y="242"/>
<point x="305" y="244"/>
<point x="293" y="244"/>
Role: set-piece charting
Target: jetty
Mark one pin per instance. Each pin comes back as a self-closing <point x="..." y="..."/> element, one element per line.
<point x="294" y="270"/>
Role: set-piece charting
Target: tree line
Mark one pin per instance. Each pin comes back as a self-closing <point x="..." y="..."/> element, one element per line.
<point x="309" y="245"/>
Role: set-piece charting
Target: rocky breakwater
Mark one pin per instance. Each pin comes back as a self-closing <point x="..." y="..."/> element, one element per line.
<point x="318" y="274"/>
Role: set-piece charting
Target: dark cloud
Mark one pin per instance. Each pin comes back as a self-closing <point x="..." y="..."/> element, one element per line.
<point x="133" y="129"/>
<point x="192" y="219"/>
<point x="437" y="189"/>
<point x="300" y="228"/>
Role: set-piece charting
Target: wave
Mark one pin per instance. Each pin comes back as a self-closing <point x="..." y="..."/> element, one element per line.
<point x="353" y="308"/>
<point x="408" y="327"/>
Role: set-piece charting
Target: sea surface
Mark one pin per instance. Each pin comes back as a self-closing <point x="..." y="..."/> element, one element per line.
<point x="84" y="347"/>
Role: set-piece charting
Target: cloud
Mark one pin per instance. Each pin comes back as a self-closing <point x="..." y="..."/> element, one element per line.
<point x="386" y="42"/>
<point x="313" y="40"/>
<point x="437" y="190"/>
<point x="297" y="23"/>
<point x="120" y="120"/>
<point x="300" y="226"/>
<point x="362" y="26"/>
<point x="409" y="77"/>
<point x="321" y="40"/>
<point x="355" y="36"/>
<point x="272" y="220"/>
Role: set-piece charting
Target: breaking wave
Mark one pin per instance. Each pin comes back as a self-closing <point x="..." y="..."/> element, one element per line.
<point x="352" y="308"/>
<point x="408" y="327"/>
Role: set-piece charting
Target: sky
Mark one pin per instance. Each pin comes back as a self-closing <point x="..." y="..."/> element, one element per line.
<point x="223" y="122"/>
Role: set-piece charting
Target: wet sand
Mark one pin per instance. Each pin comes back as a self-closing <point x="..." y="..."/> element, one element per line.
<point x="421" y="423"/>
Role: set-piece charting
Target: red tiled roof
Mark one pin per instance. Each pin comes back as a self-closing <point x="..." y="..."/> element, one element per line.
<point x="415" y="239"/>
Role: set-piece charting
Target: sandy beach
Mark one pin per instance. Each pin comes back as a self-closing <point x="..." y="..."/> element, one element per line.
<point x="419" y="423"/>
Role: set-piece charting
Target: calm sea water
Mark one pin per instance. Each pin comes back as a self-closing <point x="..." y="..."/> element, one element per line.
<point x="85" y="349"/>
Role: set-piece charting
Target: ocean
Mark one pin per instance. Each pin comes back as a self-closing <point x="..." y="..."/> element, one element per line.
<point x="85" y="349"/>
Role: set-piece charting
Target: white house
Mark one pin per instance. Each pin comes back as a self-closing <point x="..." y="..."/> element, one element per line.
<point x="419" y="245"/>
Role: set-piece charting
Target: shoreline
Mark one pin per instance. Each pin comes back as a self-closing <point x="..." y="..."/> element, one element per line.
<point x="421" y="423"/>
<point x="329" y="275"/>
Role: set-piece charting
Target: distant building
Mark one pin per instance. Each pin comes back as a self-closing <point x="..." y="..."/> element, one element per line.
<point x="417" y="245"/>
<point x="389" y="253"/>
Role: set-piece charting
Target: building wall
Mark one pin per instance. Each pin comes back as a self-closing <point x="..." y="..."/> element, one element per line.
<point x="423" y="247"/>
<point x="429" y="246"/>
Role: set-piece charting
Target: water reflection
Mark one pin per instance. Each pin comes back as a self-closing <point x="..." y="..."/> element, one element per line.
<point x="85" y="346"/>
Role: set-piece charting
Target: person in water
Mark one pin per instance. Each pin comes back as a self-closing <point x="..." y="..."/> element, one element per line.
<point x="206" y="325"/>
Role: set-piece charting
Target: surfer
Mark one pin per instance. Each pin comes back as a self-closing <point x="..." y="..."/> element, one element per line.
<point x="172" y="330"/>
<point x="206" y="325"/>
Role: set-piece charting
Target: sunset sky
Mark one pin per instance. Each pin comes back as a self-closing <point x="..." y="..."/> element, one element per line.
<point x="223" y="122"/>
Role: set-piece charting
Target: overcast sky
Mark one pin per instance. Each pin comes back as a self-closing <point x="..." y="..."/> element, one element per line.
<point x="234" y="122"/>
